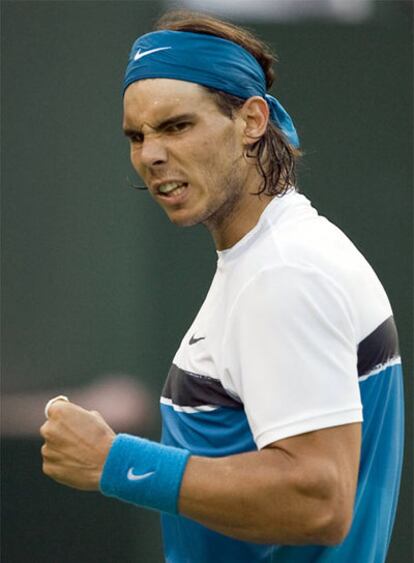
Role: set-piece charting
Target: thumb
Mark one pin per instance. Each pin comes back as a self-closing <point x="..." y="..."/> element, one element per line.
<point x="52" y="401"/>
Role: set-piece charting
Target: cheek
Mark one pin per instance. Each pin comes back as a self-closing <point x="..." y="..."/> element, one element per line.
<point x="206" y="153"/>
<point x="135" y="159"/>
<point x="196" y="158"/>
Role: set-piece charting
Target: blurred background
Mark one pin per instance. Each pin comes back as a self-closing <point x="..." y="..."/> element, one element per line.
<point x="98" y="288"/>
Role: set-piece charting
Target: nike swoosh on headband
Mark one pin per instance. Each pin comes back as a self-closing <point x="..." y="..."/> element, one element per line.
<point x="139" y="55"/>
<point x="207" y="60"/>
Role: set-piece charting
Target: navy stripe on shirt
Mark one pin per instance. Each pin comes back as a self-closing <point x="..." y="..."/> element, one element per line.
<point x="193" y="390"/>
<point x="378" y="347"/>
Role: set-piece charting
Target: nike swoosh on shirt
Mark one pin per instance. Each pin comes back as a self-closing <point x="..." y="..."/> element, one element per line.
<point x="193" y="340"/>
<point x="131" y="476"/>
<point x="139" y="55"/>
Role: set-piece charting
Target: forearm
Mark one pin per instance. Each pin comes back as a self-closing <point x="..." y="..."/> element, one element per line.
<point x="299" y="490"/>
<point x="260" y="497"/>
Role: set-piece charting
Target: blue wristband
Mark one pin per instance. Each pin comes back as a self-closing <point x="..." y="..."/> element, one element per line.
<point x="144" y="473"/>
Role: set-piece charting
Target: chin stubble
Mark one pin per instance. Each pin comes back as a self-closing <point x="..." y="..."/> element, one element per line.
<point x="222" y="211"/>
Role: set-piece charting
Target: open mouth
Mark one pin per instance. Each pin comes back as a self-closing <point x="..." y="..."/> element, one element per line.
<point x="172" y="189"/>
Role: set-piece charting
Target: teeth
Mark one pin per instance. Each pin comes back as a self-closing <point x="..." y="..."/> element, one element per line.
<point x="169" y="187"/>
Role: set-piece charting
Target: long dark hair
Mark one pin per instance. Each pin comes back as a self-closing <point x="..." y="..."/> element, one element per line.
<point x="275" y="158"/>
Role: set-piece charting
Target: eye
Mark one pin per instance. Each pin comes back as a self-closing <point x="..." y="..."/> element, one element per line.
<point x="136" y="138"/>
<point x="178" y="127"/>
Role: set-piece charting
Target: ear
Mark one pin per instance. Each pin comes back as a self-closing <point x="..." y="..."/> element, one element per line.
<point x="255" y="114"/>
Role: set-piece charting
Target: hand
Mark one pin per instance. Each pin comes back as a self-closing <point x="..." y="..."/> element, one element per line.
<point x="76" y="445"/>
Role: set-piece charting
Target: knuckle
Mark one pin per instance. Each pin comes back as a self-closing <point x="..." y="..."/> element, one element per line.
<point x="44" y="430"/>
<point x="54" y="410"/>
<point x="49" y="431"/>
<point x="50" y="470"/>
<point x="46" y="468"/>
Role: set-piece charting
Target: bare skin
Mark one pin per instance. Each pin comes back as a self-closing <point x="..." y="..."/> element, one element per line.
<point x="76" y="445"/>
<point x="202" y="148"/>
<point x="299" y="490"/>
<point x="296" y="491"/>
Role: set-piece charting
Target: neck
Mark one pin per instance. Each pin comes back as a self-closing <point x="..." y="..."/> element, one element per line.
<point x="241" y="219"/>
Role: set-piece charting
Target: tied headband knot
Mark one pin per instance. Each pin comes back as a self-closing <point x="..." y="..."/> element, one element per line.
<point x="206" y="60"/>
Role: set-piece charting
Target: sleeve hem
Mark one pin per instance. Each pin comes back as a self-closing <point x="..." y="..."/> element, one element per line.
<point x="320" y="422"/>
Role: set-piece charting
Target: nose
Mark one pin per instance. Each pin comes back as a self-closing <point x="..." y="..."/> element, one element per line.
<point x="153" y="152"/>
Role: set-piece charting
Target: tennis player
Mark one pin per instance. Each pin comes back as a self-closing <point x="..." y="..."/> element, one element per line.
<point x="283" y="408"/>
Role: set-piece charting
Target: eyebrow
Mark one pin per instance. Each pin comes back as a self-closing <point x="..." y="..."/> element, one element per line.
<point x="129" y="131"/>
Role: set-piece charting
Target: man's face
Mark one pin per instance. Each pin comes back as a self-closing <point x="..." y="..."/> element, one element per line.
<point x="187" y="152"/>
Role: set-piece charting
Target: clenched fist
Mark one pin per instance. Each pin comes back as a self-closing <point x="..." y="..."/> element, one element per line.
<point x="76" y="445"/>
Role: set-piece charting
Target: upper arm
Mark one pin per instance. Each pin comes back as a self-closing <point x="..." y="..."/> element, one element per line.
<point x="325" y="464"/>
<point x="296" y="491"/>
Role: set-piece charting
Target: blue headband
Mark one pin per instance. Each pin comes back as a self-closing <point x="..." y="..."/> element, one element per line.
<point x="207" y="60"/>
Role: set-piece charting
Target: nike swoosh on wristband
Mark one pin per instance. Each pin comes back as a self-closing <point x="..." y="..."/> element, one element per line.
<point x="131" y="476"/>
<point x="139" y="55"/>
